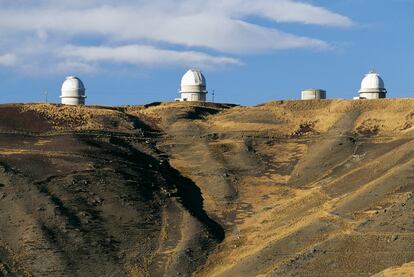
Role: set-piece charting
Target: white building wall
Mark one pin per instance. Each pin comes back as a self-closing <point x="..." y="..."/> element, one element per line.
<point x="186" y="96"/>
<point x="73" y="101"/>
<point x="369" y="95"/>
<point x="313" y="94"/>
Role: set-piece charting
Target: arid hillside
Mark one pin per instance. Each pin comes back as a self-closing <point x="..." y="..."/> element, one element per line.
<point x="287" y="188"/>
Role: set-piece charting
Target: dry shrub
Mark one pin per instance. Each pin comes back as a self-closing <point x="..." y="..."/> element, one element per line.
<point x="304" y="129"/>
<point x="409" y="122"/>
<point x="282" y="118"/>
<point x="150" y="115"/>
<point x="161" y="115"/>
<point x="369" y="128"/>
<point x="79" y="117"/>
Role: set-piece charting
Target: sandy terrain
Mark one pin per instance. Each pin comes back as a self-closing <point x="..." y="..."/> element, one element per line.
<point x="288" y="188"/>
<point x="406" y="270"/>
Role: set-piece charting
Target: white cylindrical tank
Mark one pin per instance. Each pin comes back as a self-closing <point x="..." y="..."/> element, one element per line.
<point x="372" y="86"/>
<point x="312" y="94"/>
<point x="193" y="86"/>
<point x="73" y="91"/>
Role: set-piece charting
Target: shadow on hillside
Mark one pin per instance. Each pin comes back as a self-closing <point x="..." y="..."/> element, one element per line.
<point x="188" y="193"/>
<point x="201" y="112"/>
<point x="183" y="188"/>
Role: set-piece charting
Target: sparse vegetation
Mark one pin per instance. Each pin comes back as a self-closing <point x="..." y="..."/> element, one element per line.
<point x="369" y="128"/>
<point x="287" y="188"/>
<point x="80" y="117"/>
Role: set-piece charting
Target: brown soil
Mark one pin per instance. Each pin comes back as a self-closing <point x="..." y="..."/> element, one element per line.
<point x="288" y="188"/>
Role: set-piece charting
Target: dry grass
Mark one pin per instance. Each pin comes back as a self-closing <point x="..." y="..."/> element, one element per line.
<point x="406" y="270"/>
<point x="284" y="118"/>
<point x="287" y="118"/>
<point x="80" y="117"/>
<point x="311" y="185"/>
<point x="276" y="221"/>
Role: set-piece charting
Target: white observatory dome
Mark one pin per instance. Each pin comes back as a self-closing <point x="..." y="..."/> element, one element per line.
<point x="193" y="80"/>
<point x="372" y="86"/>
<point x="73" y="91"/>
<point x="193" y="86"/>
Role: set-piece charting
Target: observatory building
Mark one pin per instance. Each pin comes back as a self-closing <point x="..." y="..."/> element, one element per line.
<point x="193" y="86"/>
<point x="312" y="94"/>
<point x="372" y="87"/>
<point x="73" y="91"/>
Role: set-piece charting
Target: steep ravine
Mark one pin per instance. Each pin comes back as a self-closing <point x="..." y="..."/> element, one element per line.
<point x="94" y="203"/>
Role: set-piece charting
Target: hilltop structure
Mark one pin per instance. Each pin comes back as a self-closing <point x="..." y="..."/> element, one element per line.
<point x="312" y="94"/>
<point x="193" y="86"/>
<point x="73" y="91"/>
<point x="372" y="87"/>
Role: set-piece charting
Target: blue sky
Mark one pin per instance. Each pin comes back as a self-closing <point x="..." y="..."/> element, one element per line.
<point x="251" y="51"/>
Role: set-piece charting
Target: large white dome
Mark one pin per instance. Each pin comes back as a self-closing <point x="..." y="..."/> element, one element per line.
<point x="372" y="82"/>
<point x="193" y="79"/>
<point x="73" y="91"/>
<point x="193" y="86"/>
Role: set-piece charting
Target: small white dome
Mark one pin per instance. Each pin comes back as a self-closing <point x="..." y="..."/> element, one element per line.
<point x="193" y="77"/>
<point x="372" y="83"/>
<point x="73" y="91"/>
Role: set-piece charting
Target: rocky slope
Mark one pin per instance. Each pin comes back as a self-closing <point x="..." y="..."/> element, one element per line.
<point x="288" y="188"/>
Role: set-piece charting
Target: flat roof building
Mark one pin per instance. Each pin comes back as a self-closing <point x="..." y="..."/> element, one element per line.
<point x="312" y="94"/>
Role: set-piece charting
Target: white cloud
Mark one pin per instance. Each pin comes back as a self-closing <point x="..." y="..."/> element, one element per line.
<point x="8" y="60"/>
<point x="74" y="66"/>
<point x="291" y="11"/>
<point x="154" y="32"/>
<point x="145" y="55"/>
